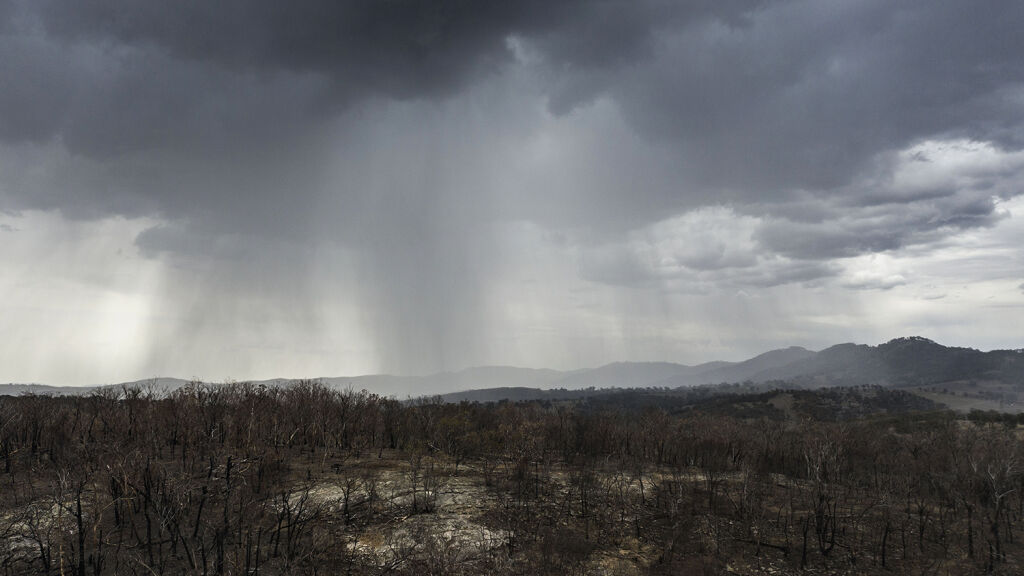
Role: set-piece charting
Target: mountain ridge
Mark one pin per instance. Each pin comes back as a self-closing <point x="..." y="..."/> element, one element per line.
<point x="903" y="361"/>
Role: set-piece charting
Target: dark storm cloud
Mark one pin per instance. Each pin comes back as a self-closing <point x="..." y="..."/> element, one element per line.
<point x="809" y="99"/>
<point x="404" y="46"/>
<point x="405" y="130"/>
<point x="758" y="98"/>
<point x="150" y="70"/>
<point x="181" y="109"/>
<point x="810" y="91"/>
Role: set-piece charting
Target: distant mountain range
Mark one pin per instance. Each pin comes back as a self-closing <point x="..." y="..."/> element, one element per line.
<point x="910" y="361"/>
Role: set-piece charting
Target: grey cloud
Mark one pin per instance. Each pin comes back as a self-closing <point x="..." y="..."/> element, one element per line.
<point x="615" y="265"/>
<point x="887" y="195"/>
<point x="405" y="131"/>
<point x="858" y="230"/>
<point x="175" y="59"/>
<point x="107" y="102"/>
<point x="159" y="109"/>
<point x="697" y="253"/>
<point x="185" y="239"/>
<point x="755" y="98"/>
<point x="766" y="273"/>
<point x="403" y="48"/>
<point x="802" y="103"/>
<point x="809" y="93"/>
<point x="786" y="272"/>
<point x="880" y="283"/>
<point x="826" y="240"/>
<point x="693" y="247"/>
<point x="404" y="45"/>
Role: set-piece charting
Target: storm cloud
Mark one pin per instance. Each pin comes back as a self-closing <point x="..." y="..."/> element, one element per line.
<point x="446" y="180"/>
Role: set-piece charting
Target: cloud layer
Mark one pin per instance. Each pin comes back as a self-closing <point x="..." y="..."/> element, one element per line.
<point x="393" y="167"/>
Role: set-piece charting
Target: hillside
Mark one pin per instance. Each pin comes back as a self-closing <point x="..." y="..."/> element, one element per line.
<point x="631" y="374"/>
<point x="702" y="480"/>
<point x="909" y="361"/>
<point x="742" y="371"/>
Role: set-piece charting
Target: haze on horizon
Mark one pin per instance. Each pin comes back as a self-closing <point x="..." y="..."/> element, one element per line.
<point x="256" y="189"/>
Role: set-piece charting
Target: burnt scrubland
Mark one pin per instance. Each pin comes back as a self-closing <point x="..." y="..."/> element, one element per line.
<point x="305" y="479"/>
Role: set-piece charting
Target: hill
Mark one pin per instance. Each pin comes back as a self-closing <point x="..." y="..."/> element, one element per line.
<point x="742" y="371"/>
<point x="904" y="362"/>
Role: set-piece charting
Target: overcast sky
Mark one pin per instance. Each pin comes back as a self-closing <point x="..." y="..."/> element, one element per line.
<point x="251" y="189"/>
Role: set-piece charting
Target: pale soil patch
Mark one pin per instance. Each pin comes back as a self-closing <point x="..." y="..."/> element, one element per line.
<point x="41" y="517"/>
<point x="449" y="530"/>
